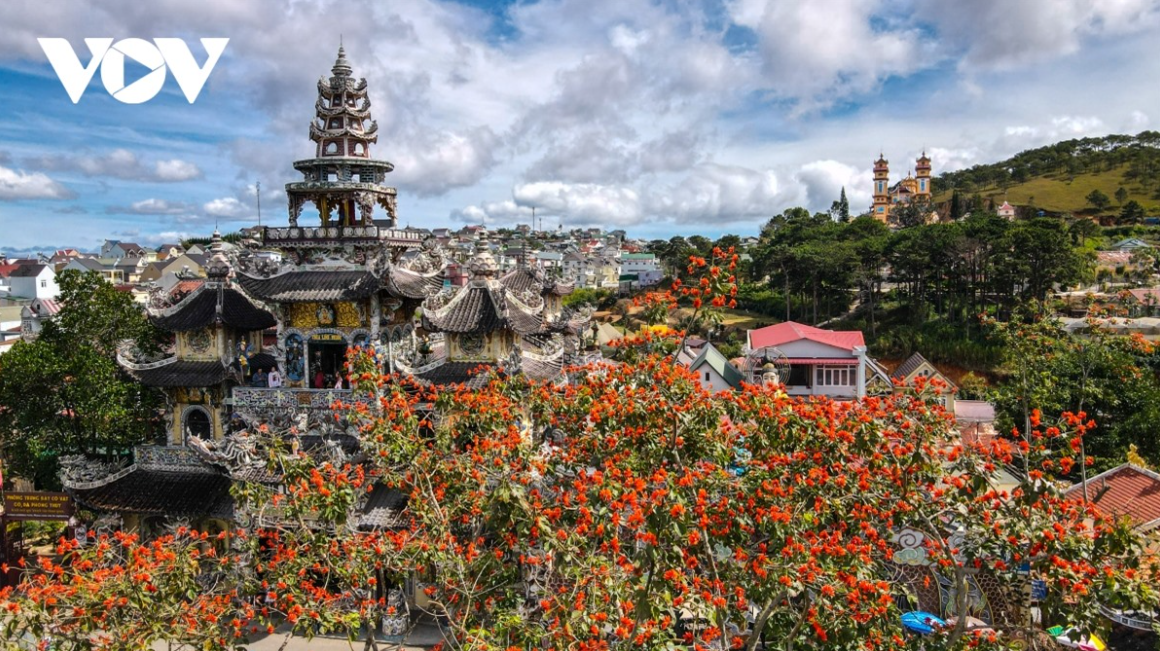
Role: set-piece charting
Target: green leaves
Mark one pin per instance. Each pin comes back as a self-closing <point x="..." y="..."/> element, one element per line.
<point x="64" y="393"/>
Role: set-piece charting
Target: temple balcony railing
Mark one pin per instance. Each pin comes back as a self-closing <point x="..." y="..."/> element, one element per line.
<point x="312" y="235"/>
<point x="292" y="399"/>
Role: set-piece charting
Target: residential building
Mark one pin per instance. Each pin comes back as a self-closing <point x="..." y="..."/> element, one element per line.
<point x="1127" y="490"/>
<point x="814" y="362"/>
<point x="33" y="281"/>
<point x="1006" y="211"/>
<point x="714" y="371"/>
<point x="644" y="266"/>
<point x="166" y="251"/>
<point x="33" y="316"/>
<point x="185" y="264"/>
<point x="916" y="368"/>
<point x="107" y="271"/>
<point x="119" y="249"/>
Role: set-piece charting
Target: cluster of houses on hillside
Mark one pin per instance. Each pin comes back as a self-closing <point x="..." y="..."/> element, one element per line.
<point x="584" y="258"/>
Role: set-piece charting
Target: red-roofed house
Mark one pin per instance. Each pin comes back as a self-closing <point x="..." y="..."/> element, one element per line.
<point x="1126" y="490"/>
<point x="822" y="362"/>
<point x="1143" y="302"/>
<point x="33" y="316"/>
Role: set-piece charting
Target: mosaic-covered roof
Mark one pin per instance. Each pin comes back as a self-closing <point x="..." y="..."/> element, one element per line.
<point x="179" y="373"/>
<point x="213" y="303"/>
<point x="315" y="286"/>
<point x="180" y="492"/>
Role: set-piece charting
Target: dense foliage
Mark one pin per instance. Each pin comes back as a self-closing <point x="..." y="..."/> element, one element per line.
<point x="64" y="392"/>
<point x="952" y="271"/>
<point x="1112" y="377"/>
<point x="630" y="509"/>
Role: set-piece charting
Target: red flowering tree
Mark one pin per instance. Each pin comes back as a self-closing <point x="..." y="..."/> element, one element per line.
<point x="630" y="508"/>
<point x="117" y="592"/>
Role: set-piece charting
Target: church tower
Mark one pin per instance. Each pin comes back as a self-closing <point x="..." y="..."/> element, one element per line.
<point x="922" y="173"/>
<point x="881" y="208"/>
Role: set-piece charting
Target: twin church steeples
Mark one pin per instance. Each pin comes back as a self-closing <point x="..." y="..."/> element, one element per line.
<point x="913" y="187"/>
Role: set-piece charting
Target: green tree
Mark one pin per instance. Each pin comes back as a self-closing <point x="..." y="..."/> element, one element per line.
<point x="1121" y="195"/>
<point x="910" y="214"/>
<point x="1098" y="200"/>
<point x="1082" y="230"/>
<point x="956" y="206"/>
<point x="64" y="392"/>
<point x="1132" y="213"/>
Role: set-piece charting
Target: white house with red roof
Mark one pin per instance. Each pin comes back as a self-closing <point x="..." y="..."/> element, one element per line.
<point x="821" y="362"/>
<point x="1006" y="211"/>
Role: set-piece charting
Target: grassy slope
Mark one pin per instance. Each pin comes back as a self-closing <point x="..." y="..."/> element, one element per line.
<point x="1056" y="193"/>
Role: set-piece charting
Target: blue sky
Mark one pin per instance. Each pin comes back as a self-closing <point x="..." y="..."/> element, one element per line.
<point x="659" y="117"/>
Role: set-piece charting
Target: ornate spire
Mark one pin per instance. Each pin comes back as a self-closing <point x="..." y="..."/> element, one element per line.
<point x="482" y="266"/>
<point x="342" y="124"/>
<point x="342" y="180"/>
<point x="218" y="266"/>
<point x="341" y="66"/>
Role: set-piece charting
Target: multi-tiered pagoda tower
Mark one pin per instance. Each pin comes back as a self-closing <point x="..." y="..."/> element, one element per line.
<point x="342" y="180"/>
<point x="353" y="280"/>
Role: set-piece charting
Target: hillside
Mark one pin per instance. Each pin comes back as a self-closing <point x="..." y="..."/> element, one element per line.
<point x="1058" y="178"/>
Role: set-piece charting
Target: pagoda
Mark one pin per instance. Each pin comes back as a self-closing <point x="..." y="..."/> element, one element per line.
<point x="342" y="180"/>
<point x="352" y="280"/>
<point x="482" y="327"/>
<point x="217" y="342"/>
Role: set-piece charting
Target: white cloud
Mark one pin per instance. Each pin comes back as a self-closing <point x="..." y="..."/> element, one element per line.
<point x="816" y="52"/>
<point x="1062" y="127"/>
<point x="432" y="164"/>
<point x="715" y="193"/>
<point x="823" y="181"/>
<point x="120" y="164"/>
<point x="228" y="207"/>
<point x="1001" y="35"/>
<point x="152" y="207"/>
<point x="581" y="203"/>
<point x="176" y="170"/>
<point x="19" y="184"/>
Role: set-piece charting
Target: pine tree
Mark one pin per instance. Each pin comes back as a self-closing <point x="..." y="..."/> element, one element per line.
<point x="956" y="206"/>
<point x="843" y="207"/>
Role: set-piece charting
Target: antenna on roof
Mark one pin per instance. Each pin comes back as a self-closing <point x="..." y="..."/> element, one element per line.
<point x="258" y="196"/>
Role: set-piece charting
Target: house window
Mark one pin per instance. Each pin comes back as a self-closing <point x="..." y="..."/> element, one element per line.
<point x="834" y="376"/>
<point x="799" y="376"/>
<point x="44" y="283"/>
<point x="706" y="376"/>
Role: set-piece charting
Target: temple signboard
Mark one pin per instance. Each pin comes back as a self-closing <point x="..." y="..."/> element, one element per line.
<point x="37" y="506"/>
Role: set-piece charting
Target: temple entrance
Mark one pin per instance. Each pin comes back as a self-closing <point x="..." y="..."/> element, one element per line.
<point x="327" y="354"/>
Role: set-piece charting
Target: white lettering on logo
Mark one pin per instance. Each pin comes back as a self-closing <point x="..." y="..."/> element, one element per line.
<point x="162" y="54"/>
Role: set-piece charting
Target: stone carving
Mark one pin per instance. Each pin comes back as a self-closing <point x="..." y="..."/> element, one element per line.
<point x="78" y="469"/>
<point x="234" y="451"/>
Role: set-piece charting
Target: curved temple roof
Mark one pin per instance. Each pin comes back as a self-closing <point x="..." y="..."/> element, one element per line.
<point x="213" y="303"/>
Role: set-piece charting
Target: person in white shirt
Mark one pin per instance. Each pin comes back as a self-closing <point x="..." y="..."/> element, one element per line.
<point x="274" y="380"/>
